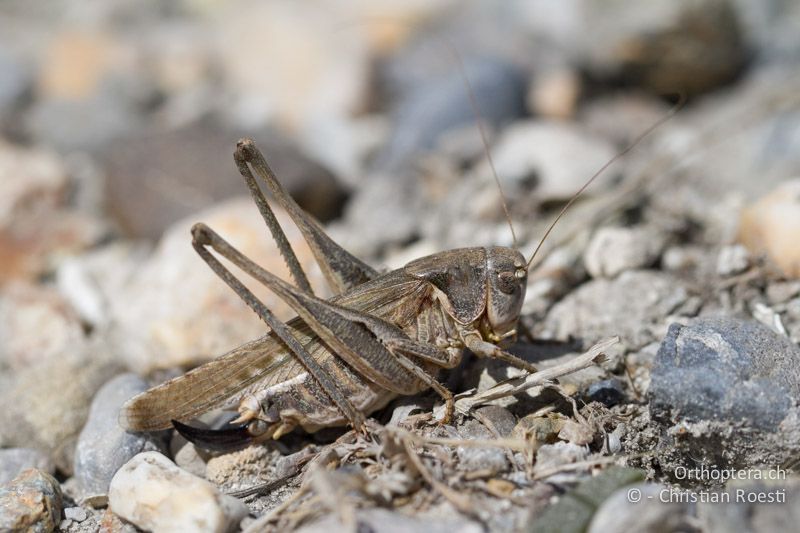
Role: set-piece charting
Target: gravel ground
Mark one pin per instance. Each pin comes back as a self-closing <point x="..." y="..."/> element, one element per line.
<point x="117" y="125"/>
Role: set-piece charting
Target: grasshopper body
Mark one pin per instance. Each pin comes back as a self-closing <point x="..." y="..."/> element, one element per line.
<point x="340" y="359"/>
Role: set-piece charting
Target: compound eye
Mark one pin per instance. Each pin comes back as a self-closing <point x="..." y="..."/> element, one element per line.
<point x="507" y="282"/>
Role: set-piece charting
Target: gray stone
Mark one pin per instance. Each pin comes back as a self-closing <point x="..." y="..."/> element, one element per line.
<point x="46" y="404"/>
<point x="614" y="250"/>
<point x="744" y="513"/>
<point x="725" y="369"/>
<point x="635" y="305"/>
<point x="386" y="521"/>
<point x="724" y="394"/>
<point x="479" y="457"/>
<point x="441" y="103"/>
<point x="30" y="502"/>
<point x="15" y="460"/>
<point x="154" y="494"/>
<point x="103" y="446"/>
<point x="608" y="392"/>
<point x="641" y="507"/>
<point x="732" y="260"/>
<point x="76" y="514"/>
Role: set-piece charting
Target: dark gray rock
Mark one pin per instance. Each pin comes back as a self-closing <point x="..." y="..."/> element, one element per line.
<point x="103" y="446"/>
<point x="608" y="392"/>
<point x="15" y="460"/>
<point x="724" y="394"/>
<point x="31" y="502"/>
<point x="725" y="369"/>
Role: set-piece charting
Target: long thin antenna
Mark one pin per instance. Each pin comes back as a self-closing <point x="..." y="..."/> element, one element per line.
<point x="473" y="101"/>
<point x="677" y="107"/>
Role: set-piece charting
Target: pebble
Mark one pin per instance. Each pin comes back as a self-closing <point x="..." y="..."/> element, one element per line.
<point x="76" y="514"/>
<point x="651" y="513"/>
<point x="103" y="446"/>
<point x="176" y="312"/>
<point x="386" y="521"/>
<point x="615" y="250"/>
<point x="32" y="415"/>
<point x="154" y="494"/>
<point x="241" y="469"/>
<point x="726" y="390"/>
<point x="23" y="310"/>
<point x="537" y="156"/>
<point x="480" y="458"/>
<point x="739" y="515"/>
<point x="634" y="305"/>
<point x="771" y="224"/>
<point x="664" y="47"/>
<point x="30" y="502"/>
<point x="609" y="392"/>
<point x="15" y="460"/>
<point x="145" y="204"/>
<point x="558" y="454"/>
<point x="732" y="260"/>
<point x="725" y="369"/>
<point x="441" y="103"/>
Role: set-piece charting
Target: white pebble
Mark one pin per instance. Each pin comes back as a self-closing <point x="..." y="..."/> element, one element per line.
<point x="154" y="494"/>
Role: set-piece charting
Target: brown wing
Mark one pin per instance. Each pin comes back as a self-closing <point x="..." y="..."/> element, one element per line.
<point x="259" y="363"/>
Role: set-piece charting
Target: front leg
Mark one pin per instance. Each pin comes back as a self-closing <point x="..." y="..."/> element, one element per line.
<point x="481" y="348"/>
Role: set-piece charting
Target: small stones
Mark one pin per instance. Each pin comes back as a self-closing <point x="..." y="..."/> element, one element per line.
<point x="154" y="494"/>
<point x="480" y="458"/>
<point x="76" y="514"/>
<point x="15" y="460"/>
<point x="614" y="250"/>
<point x="30" y="502"/>
<point x="103" y="446"/>
<point x="770" y="226"/>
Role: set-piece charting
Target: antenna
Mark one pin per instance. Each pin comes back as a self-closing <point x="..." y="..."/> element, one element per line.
<point x="671" y="113"/>
<point x="473" y="101"/>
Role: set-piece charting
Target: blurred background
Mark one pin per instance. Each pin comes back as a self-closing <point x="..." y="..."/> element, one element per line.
<point x="118" y="120"/>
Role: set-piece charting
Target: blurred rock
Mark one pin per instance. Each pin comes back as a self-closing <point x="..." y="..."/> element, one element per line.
<point x="386" y="521"/>
<point x="740" y="514"/>
<point x="771" y="224"/>
<point x="441" y="102"/>
<point x="14" y="460"/>
<point x="24" y="311"/>
<point x="538" y="156"/>
<point x="732" y="260"/>
<point x="15" y="82"/>
<point x="666" y="47"/>
<point x="188" y="458"/>
<point x="154" y="494"/>
<point x="614" y="250"/>
<point x="38" y="226"/>
<point x="397" y="194"/>
<point x="728" y="391"/>
<point x="655" y="512"/>
<point x="46" y="403"/>
<point x="554" y="94"/>
<point x="89" y="91"/>
<point x="103" y="446"/>
<point x="192" y="168"/>
<point x="175" y="311"/>
<point x="635" y="306"/>
<point x="30" y="502"/>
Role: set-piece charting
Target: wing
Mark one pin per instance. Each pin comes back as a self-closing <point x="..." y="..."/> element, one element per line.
<point x="262" y="362"/>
